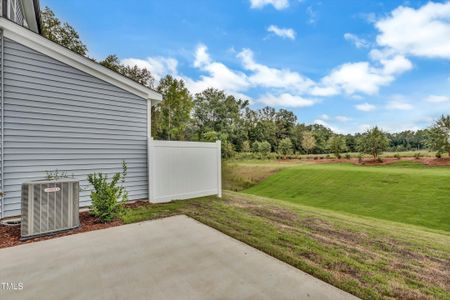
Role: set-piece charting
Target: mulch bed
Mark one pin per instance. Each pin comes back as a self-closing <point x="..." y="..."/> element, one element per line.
<point x="10" y="235"/>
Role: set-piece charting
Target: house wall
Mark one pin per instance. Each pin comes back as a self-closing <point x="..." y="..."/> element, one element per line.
<point x="57" y="117"/>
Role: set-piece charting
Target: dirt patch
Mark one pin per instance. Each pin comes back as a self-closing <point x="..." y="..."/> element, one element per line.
<point x="438" y="162"/>
<point x="274" y="214"/>
<point x="326" y="229"/>
<point x="429" y="161"/>
<point x="10" y="235"/>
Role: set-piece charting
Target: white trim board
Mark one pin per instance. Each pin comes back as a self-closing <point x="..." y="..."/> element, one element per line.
<point x="36" y="42"/>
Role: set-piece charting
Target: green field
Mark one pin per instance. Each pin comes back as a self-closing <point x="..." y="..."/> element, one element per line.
<point x="406" y="192"/>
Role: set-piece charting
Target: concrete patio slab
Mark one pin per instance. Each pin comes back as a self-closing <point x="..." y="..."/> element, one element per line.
<point x="172" y="258"/>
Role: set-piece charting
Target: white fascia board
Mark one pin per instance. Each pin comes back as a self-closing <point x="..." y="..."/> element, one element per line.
<point x="34" y="41"/>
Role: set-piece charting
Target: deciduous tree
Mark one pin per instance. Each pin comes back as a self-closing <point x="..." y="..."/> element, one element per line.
<point x="172" y="115"/>
<point x="285" y="147"/>
<point x="61" y="33"/>
<point x="374" y="141"/>
<point x="308" y="141"/>
<point x="336" y="144"/>
<point x="439" y="135"/>
<point x="140" y="75"/>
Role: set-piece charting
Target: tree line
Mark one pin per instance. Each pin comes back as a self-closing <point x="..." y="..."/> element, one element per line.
<point x="215" y="115"/>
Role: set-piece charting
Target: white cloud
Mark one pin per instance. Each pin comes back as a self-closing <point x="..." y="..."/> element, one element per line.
<point x="399" y="105"/>
<point x="325" y="117"/>
<point x="419" y="32"/>
<point x="158" y="66"/>
<point x="361" y="77"/>
<point x="322" y="122"/>
<point x="202" y="57"/>
<point x="265" y="76"/>
<point x="365" y="107"/>
<point x="357" y="77"/>
<point x="218" y="76"/>
<point x="396" y="65"/>
<point x="277" y="4"/>
<point x="437" y="99"/>
<point x="342" y="118"/>
<point x="357" y="41"/>
<point x="287" y="33"/>
<point x="286" y="100"/>
<point x="328" y="125"/>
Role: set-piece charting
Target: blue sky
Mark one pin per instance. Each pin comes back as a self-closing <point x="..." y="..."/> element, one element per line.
<point x="346" y="64"/>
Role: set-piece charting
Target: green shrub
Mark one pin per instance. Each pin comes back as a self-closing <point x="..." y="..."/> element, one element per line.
<point x="285" y="147"/>
<point x="417" y="155"/>
<point x="360" y="158"/>
<point x="348" y="156"/>
<point x="245" y="147"/>
<point x="397" y="155"/>
<point x="227" y="150"/>
<point x="108" y="197"/>
<point x="438" y="154"/>
<point x="255" y="147"/>
<point x="264" y="149"/>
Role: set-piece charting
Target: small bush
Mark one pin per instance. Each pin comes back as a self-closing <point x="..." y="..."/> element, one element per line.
<point x="338" y="156"/>
<point x="438" y="155"/>
<point x="264" y="149"/>
<point x="379" y="159"/>
<point x="328" y="156"/>
<point x="228" y="150"/>
<point x="417" y="155"/>
<point x="56" y="175"/>
<point x="348" y="156"/>
<point x="108" y="197"/>
<point x="246" y="147"/>
<point x="397" y="156"/>
<point x="285" y="147"/>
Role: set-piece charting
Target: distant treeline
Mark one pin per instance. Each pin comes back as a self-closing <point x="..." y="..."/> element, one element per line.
<point x="212" y="115"/>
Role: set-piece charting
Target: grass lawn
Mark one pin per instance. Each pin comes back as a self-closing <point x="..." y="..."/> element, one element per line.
<point x="334" y="221"/>
<point x="406" y="192"/>
<point x="372" y="259"/>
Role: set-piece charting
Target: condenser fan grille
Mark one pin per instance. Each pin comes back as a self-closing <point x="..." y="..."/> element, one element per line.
<point x="49" y="206"/>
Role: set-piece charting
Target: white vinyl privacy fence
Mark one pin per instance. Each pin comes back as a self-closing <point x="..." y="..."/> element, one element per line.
<point x="183" y="170"/>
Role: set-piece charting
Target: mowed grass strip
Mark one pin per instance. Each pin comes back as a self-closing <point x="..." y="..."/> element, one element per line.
<point x="407" y="192"/>
<point x="372" y="259"/>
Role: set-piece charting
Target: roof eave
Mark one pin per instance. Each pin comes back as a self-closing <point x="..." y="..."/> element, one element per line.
<point x="35" y="41"/>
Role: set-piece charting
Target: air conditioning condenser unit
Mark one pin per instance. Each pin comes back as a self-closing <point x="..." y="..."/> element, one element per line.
<point x="49" y="206"/>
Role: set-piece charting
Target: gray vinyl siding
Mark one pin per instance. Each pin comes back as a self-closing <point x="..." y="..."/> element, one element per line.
<point x="57" y="117"/>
